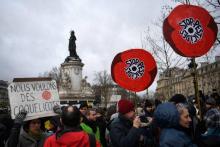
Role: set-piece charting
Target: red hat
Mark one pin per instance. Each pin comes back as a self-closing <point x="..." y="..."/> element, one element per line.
<point x="125" y="106"/>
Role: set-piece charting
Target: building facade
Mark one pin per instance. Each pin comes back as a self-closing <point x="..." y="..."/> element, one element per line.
<point x="4" y="101"/>
<point x="176" y="80"/>
<point x="3" y="90"/>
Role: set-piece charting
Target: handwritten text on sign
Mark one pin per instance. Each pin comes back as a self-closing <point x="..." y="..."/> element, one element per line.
<point x="37" y="98"/>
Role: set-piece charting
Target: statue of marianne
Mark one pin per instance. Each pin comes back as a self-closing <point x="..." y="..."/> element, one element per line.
<point x="72" y="45"/>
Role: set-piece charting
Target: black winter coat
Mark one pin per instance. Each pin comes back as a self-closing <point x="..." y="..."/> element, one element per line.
<point x="2" y="132"/>
<point x="102" y="128"/>
<point x="123" y="134"/>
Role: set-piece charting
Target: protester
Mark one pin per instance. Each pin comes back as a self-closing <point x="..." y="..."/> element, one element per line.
<point x="83" y="108"/>
<point x="122" y="131"/>
<point x="89" y="123"/>
<point x="52" y="124"/>
<point x="210" y="108"/>
<point x="31" y="134"/>
<point x="148" y="109"/>
<point x="71" y="135"/>
<point x="173" y="121"/>
<point x="109" y="118"/>
<point x="110" y="111"/>
<point x="101" y="122"/>
<point x="216" y="96"/>
<point x="6" y="123"/>
<point x="114" y="115"/>
<point x="159" y="100"/>
<point x="2" y="132"/>
<point x="149" y="129"/>
<point x="179" y="98"/>
<point x="211" y="138"/>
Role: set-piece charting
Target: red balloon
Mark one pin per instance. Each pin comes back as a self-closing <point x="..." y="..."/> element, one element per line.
<point x="134" y="69"/>
<point x="190" y="30"/>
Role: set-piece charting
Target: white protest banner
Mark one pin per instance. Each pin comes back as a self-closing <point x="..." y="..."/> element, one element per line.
<point x="36" y="97"/>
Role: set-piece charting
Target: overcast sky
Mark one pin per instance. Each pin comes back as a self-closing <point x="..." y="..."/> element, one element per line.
<point x="35" y="33"/>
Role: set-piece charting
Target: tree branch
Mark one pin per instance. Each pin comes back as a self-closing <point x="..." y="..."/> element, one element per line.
<point x="212" y="4"/>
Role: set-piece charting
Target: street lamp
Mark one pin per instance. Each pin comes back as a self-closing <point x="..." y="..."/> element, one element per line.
<point x="192" y="66"/>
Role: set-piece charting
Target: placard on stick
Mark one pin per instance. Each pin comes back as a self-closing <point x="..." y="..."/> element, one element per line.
<point x="36" y="95"/>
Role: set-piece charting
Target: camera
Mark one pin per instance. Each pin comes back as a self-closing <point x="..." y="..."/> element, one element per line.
<point x="143" y="119"/>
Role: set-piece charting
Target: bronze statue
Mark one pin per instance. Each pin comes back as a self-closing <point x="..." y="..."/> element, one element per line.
<point x="72" y="45"/>
<point x="72" y="48"/>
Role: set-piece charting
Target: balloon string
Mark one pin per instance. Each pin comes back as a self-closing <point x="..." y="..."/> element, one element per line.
<point x="135" y="101"/>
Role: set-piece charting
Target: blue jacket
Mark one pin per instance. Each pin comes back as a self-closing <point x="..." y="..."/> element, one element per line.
<point x="167" y="118"/>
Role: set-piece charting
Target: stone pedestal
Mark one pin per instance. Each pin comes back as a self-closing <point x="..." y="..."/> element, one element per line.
<point x="73" y="87"/>
<point x="71" y="73"/>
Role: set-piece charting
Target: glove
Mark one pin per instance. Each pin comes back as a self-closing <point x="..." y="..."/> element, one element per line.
<point x="57" y="109"/>
<point x="19" y="118"/>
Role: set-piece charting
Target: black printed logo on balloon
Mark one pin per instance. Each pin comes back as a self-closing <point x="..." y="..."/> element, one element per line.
<point x="192" y="30"/>
<point x="135" y="68"/>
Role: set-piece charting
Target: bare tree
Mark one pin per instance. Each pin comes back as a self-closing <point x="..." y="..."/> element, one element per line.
<point x="54" y="73"/>
<point x="104" y="81"/>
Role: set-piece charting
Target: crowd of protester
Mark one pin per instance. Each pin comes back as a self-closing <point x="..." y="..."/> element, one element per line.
<point x="173" y="122"/>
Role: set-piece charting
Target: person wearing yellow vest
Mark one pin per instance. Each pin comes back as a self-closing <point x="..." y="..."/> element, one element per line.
<point x="89" y="124"/>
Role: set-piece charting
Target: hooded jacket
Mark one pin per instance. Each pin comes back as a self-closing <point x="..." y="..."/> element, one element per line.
<point x="20" y="138"/>
<point x="167" y="118"/>
<point x="69" y="139"/>
<point x="25" y="140"/>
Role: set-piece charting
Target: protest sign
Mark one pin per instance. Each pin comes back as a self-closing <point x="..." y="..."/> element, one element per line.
<point x="36" y="97"/>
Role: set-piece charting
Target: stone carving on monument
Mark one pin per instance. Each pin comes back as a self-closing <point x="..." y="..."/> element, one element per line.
<point x="86" y="87"/>
<point x="73" y="87"/>
<point x="66" y="81"/>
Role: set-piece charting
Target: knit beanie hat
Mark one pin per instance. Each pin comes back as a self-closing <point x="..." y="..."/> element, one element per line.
<point x="125" y="106"/>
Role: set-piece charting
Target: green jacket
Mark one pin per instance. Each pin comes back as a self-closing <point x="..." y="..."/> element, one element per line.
<point x="89" y="130"/>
